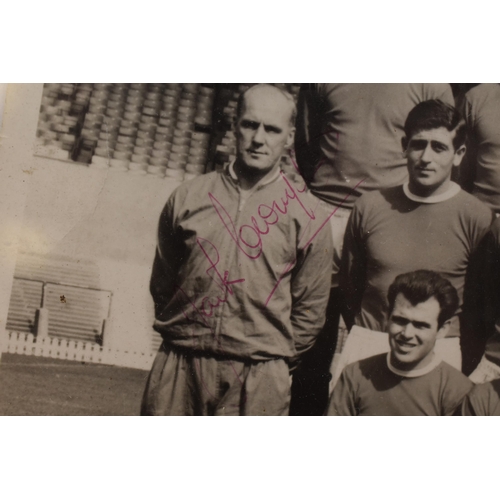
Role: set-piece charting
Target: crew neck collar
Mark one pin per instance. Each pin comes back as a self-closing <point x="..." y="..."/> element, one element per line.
<point x="436" y="360"/>
<point x="453" y="190"/>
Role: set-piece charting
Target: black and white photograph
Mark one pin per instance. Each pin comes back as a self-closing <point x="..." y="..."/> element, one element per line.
<point x="176" y="248"/>
<point x="256" y="250"/>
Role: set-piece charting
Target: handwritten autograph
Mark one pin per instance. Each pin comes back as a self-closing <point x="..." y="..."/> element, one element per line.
<point x="268" y="215"/>
<point x="311" y="239"/>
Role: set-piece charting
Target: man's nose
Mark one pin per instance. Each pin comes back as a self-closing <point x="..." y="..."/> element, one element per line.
<point x="426" y="154"/>
<point x="407" y="331"/>
<point x="259" y="135"/>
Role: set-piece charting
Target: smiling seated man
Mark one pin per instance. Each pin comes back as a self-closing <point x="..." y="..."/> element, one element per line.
<point x="411" y="379"/>
<point x="426" y="223"/>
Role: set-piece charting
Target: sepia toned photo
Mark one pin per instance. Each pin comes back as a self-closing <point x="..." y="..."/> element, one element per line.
<point x="202" y="249"/>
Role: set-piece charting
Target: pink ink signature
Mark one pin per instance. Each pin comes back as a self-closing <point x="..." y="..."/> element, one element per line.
<point x="208" y="304"/>
<point x="308" y="242"/>
<point x="267" y="216"/>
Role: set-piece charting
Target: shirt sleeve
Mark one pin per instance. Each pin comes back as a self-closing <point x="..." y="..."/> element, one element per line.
<point x="476" y="403"/>
<point x="343" y="399"/>
<point x="352" y="276"/>
<point x="468" y="409"/>
<point x="167" y="260"/>
<point x="457" y="387"/>
<point x="309" y="128"/>
<point x="311" y="283"/>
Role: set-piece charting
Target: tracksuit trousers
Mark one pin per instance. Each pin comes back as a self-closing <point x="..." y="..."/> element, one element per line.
<point x="181" y="383"/>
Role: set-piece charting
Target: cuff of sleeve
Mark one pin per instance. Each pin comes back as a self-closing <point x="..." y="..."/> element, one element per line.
<point x="486" y="371"/>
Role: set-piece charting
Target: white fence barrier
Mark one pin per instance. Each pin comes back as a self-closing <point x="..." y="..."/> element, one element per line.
<point x="52" y="347"/>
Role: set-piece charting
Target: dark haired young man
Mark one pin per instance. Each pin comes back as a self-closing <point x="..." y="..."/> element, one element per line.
<point x="412" y="379"/>
<point x="426" y="223"/>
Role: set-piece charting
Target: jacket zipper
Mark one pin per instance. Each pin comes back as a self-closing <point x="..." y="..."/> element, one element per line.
<point x="229" y="263"/>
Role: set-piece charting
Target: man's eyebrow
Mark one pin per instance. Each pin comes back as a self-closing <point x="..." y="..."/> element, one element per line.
<point x="439" y="143"/>
<point x="273" y="128"/>
<point x="421" y="142"/>
<point x="396" y="317"/>
<point x="399" y="318"/>
<point x="422" y="323"/>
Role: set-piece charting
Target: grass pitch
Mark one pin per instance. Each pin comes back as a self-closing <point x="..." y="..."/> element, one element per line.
<point x="41" y="386"/>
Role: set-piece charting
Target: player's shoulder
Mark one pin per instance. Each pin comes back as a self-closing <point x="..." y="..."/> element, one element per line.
<point x="371" y="370"/>
<point x="369" y="365"/>
<point x="195" y="186"/>
<point x="473" y="207"/>
<point x="470" y="200"/>
<point x="379" y="198"/>
<point x="199" y="181"/>
<point x="454" y="375"/>
<point x="190" y="193"/>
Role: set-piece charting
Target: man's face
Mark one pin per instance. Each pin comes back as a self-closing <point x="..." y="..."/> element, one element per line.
<point x="431" y="157"/>
<point x="413" y="331"/>
<point x="263" y="130"/>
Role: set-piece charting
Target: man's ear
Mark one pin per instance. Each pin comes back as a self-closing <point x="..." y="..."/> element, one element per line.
<point x="290" y="138"/>
<point x="443" y="331"/>
<point x="404" y="145"/>
<point x="459" y="155"/>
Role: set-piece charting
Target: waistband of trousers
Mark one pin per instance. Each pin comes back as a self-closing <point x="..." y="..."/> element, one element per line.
<point x="186" y="352"/>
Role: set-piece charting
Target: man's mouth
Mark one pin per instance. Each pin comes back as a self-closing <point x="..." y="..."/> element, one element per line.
<point x="253" y="152"/>
<point x="405" y="346"/>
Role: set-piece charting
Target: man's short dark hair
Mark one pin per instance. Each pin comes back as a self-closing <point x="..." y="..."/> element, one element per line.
<point x="287" y="95"/>
<point x="420" y="286"/>
<point x="428" y="115"/>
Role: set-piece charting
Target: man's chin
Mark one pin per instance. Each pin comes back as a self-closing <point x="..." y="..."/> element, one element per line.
<point x="257" y="168"/>
<point x="402" y="362"/>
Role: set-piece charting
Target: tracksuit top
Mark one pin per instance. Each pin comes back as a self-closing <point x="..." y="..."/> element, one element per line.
<point x="240" y="274"/>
